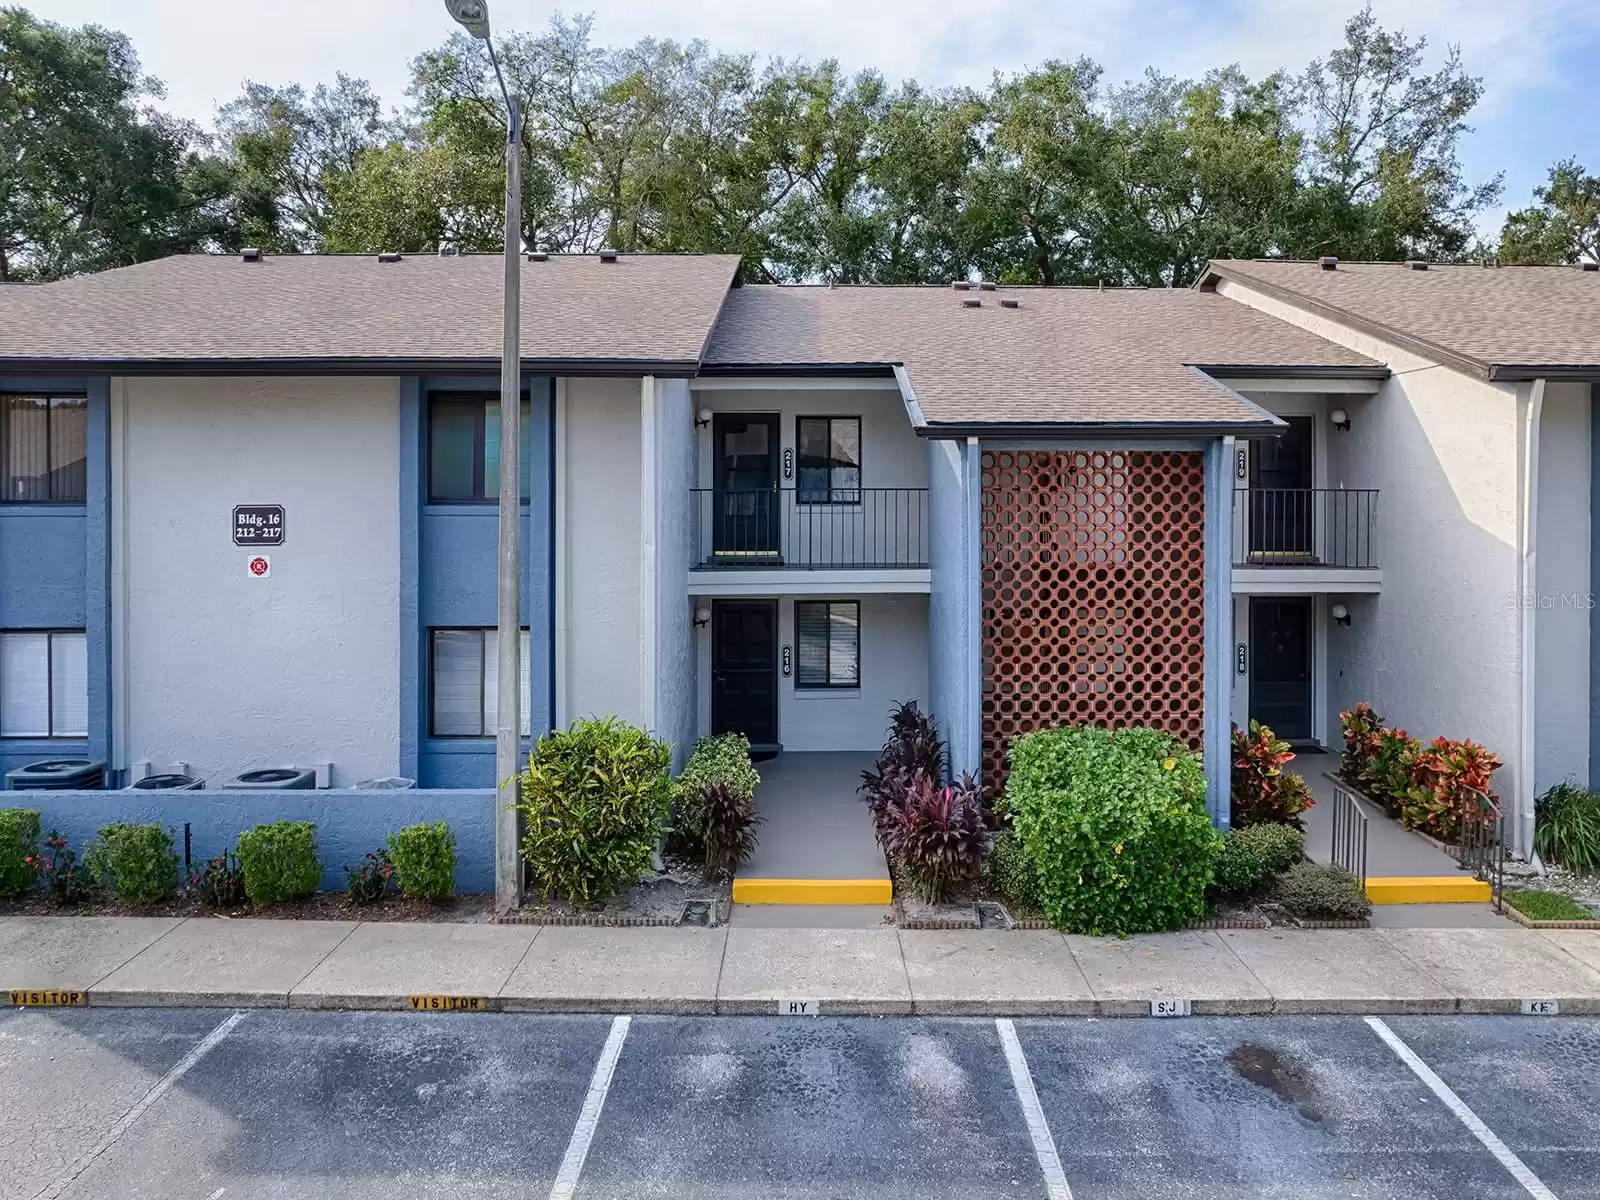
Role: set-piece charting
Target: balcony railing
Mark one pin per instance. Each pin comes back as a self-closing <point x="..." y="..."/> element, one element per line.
<point x="1304" y="527"/>
<point x="811" y="529"/>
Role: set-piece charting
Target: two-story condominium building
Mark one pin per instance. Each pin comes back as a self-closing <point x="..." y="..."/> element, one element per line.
<point x="248" y="513"/>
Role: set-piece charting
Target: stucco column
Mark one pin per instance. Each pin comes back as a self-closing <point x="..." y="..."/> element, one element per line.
<point x="649" y="505"/>
<point x="1218" y="626"/>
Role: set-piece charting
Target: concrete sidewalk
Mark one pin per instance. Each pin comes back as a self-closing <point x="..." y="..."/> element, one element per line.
<point x="336" y="964"/>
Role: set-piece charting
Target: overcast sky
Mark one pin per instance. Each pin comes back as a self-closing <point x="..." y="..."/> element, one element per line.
<point x="1539" y="58"/>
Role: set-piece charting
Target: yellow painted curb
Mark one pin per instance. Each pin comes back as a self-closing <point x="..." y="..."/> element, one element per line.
<point x="812" y="891"/>
<point x="1427" y="889"/>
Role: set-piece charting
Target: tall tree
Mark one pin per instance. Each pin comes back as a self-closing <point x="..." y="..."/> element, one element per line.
<point x="1383" y="178"/>
<point x="289" y="149"/>
<point x="1563" y="227"/>
<point x="90" y="177"/>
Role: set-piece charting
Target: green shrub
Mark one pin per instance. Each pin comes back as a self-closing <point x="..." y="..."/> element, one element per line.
<point x="280" y="862"/>
<point x="1011" y="874"/>
<point x="1548" y="906"/>
<point x="1241" y="869"/>
<point x="718" y="758"/>
<point x="1115" y="824"/>
<point x="1283" y="846"/>
<point x="424" y="859"/>
<point x="594" y="797"/>
<point x="19" y="850"/>
<point x="136" y="861"/>
<point x="1320" y="892"/>
<point x="1566" y="827"/>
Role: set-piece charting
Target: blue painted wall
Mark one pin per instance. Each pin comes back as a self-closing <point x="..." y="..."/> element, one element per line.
<point x="350" y="824"/>
<point x="1218" y="629"/>
<point x="55" y="573"/>
<point x="953" y="634"/>
<point x="448" y="579"/>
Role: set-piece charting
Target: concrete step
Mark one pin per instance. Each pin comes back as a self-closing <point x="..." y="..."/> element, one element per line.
<point x="756" y="890"/>
<point x="1427" y="889"/>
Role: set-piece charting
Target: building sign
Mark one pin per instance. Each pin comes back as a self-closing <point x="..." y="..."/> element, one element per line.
<point x="787" y="659"/>
<point x="788" y="462"/>
<point x="258" y="525"/>
<point x="259" y="566"/>
<point x="47" y="997"/>
<point x="1241" y="462"/>
<point x="1241" y="658"/>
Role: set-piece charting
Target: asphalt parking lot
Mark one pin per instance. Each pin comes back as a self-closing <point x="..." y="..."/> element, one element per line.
<point x="209" y="1105"/>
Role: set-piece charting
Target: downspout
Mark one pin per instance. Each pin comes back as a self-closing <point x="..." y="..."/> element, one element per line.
<point x="1528" y="614"/>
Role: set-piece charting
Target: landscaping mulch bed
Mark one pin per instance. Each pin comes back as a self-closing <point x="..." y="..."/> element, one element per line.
<point x="656" y="900"/>
<point x="323" y="906"/>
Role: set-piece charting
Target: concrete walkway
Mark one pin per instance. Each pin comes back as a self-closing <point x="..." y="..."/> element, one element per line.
<point x="817" y="844"/>
<point x="332" y="964"/>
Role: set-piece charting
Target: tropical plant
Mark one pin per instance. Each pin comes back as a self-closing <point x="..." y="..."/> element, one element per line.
<point x="594" y="797"/>
<point x="369" y="878"/>
<point x="913" y="749"/>
<point x="1115" y="824"/>
<point x="280" y="862"/>
<point x="424" y="860"/>
<point x="941" y="835"/>
<point x="1387" y="776"/>
<point x="1262" y="790"/>
<point x="219" y="883"/>
<point x="717" y="758"/>
<point x="64" y="878"/>
<point x="1361" y="726"/>
<point x="19" y="850"/>
<point x="1321" y="892"/>
<point x="137" y="861"/>
<point x="1566" y="827"/>
<point x="1450" y="783"/>
<point x="729" y="823"/>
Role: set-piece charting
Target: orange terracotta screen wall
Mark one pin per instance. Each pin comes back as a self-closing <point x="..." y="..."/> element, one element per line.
<point x="1093" y="593"/>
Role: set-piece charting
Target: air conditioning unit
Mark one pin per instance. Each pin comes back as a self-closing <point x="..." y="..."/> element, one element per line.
<point x="272" y="779"/>
<point x="58" y="775"/>
<point x="167" y="783"/>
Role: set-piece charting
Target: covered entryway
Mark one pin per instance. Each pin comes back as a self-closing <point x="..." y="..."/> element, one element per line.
<point x="817" y="844"/>
<point x="1280" y="665"/>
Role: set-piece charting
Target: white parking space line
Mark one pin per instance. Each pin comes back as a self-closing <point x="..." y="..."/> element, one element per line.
<point x="1044" y="1145"/>
<point x="1503" y="1153"/>
<point x="589" y="1117"/>
<point x="63" y="1181"/>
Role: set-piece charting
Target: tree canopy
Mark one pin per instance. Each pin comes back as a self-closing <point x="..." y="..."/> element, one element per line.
<point x="1045" y="176"/>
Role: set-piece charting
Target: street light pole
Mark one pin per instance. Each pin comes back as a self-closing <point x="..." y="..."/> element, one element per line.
<point x="473" y="16"/>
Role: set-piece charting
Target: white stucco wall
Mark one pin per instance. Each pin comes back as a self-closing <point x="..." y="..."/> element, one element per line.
<point x="1564" y="595"/>
<point x="894" y="667"/>
<point x="1436" y="652"/>
<point x="227" y="672"/>
<point x="600" y="514"/>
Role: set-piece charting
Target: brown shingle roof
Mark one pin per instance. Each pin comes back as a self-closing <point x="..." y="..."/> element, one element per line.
<point x="1500" y="322"/>
<point x="356" y="312"/>
<point x="1063" y="356"/>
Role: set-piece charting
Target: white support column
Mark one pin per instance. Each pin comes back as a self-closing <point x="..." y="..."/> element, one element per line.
<point x="649" y="523"/>
<point x="1521" y="833"/>
<point x="1218" y="625"/>
<point x="562" y="619"/>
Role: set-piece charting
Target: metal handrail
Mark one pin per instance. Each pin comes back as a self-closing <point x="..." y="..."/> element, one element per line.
<point x="810" y="528"/>
<point x="1480" y="844"/>
<point x="1349" y="848"/>
<point x="1304" y="527"/>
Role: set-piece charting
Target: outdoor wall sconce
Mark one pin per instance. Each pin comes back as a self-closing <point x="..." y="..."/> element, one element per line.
<point x="702" y="617"/>
<point x="704" y="418"/>
<point x="1340" y="419"/>
<point x="1340" y="614"/>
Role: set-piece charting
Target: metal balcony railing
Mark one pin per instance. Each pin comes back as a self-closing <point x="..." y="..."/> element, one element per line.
<point x="1304" y="527"/>
<point x="803" y="529"/>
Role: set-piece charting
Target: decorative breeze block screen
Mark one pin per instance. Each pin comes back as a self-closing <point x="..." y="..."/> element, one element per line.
<point x="1093" y="593"/>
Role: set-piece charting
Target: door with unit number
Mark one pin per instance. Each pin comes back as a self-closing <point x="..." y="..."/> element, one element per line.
<point x="744" y="669"/>
<point x="1280" y="664"/>
<point x="746" y="517"/>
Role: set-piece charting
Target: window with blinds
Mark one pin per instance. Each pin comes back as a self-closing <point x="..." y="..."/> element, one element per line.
<point x="43" y="449"/>
<point x="828" y="641"/>
<point x="465" y="683"/>
<point x="44" y="684"/>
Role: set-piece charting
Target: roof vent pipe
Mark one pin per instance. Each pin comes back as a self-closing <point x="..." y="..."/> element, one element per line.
<point x="1589" y="266"/>
<point x="987" y="287"/>
<point x="1416" y="264"/>
<point x="1008" y="302"/>
<point x="250" y="254"/>
<point x="538" y="256"/>
<point x="447" y="250"/>
<point x="972" y="302"/>
<point x="608" y="256"/>
<point x="1328" y="262"/>
<point x="960" y="285"/>
<point x="389" y="256"/>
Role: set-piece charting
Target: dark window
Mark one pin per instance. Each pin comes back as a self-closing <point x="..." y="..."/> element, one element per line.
<point x="43" y="449"/>
<point x="44" y="684"/>
<point x="464" y="448"/>
<point x="464" y="682"/>
<point x="828" y="633"/>
<point x="829" y="453"/>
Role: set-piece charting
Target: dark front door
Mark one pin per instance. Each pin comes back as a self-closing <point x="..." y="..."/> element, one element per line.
<point x="744" y="669"/>
<point x="745" y="497"/>
<point x="1280" y="665"/>
<point x="1280" y="493"/>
